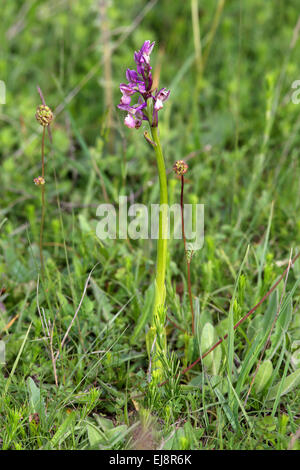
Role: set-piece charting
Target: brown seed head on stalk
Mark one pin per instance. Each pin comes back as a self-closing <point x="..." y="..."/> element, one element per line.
<point x="39" y="181"/>
<point x="44" y="115"/>
<point x="180" y="167"/>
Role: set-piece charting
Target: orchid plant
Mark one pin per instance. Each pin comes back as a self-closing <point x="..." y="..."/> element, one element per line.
<point x="149" y="102"/>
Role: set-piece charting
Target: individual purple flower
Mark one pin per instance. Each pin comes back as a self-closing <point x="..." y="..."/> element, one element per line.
<point x="135" y="114"/>
<point x="132" y="75"/>
<point x="143" y="55"/>
<point x="127" y="89"/>
<point x="129" y="121"/>
<point x="140" y="81"/>
<point x="160" y="97"/>
<point x="135" y="109"/>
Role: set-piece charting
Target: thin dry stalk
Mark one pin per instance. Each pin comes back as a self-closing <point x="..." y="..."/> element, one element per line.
<point x="43" y="205"/>
<point x="188" y="256"/>
<point x="42" y="317"/>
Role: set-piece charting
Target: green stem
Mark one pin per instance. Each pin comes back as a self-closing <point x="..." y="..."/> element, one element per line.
<point x="158" y="319"/>
<point x="163" y="221"/>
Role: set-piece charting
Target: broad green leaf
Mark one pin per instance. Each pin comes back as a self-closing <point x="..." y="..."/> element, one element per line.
<point x="37" y="404"/>
<point x="263" y="375"/>
<point x="106" y="435"/>
<point x="255" y="328"/>
<point x="212" y="361"/>
<point x="222" y="327"/>
<point x="201" y="317"/>
<point x="94" y="435"/>
<point x="288" y="384"/>
<point x="104" y="423"/>
<point x="117" y="433"/>
<point x="295" y="358"/>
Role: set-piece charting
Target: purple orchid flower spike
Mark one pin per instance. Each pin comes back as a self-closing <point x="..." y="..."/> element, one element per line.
<point x="140" y="81"/>
<point x="149" y="103"/>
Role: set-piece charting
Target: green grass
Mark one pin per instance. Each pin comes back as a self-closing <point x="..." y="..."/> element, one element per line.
<point x="239" y="131"/>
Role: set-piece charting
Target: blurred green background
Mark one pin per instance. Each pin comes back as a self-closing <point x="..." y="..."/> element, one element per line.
<point x="230" y="110"/>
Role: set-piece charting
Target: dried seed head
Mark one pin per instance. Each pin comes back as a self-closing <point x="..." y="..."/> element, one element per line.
<point x="44" y="115"/>
<point x="39" y="181"/>
<point x="180" y="167"/>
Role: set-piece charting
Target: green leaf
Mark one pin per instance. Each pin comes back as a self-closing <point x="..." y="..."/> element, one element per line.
<point x="226" y="408"/>
<point x="263" y="375"/>
<point x="63" y="431"/>
<point x="271" y="310"/>
<point x="212" y="362"/>
<point x="95" y="436"/>
<point x="282" y="324"/>
<point x="116" y="434"/>
<point x="147" y="309"/>
<point x="255" y="328"/>
<point x="84" y="224"/>
<point x="106" y="435"/>
<point x="37" y="404"/>
<point x="285" y="386"/>
<point x="104" y="423"/>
